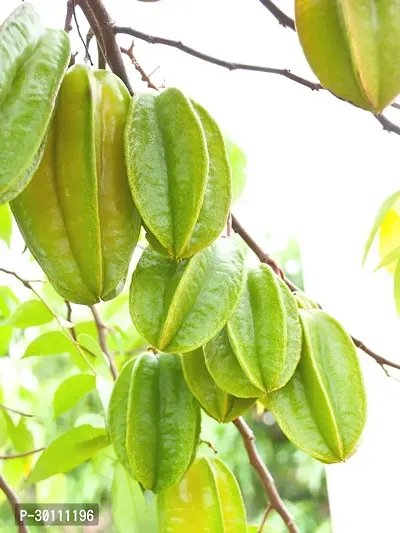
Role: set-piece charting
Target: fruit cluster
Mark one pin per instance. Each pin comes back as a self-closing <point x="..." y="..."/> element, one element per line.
<point x="95" y="166"/>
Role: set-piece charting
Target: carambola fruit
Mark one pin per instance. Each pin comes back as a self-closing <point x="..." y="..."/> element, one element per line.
<point x="178" y="306"/>
<point x="154" y="420"/>
<point x="33" y="61"/>
<point x="207" y="499"/>
<point x="322" y="409"/>
<point x="178" y="171"/>
<point x="264" y="335"/>
<point x="353" y="48"/>
<point x="216" y="403"/>
<point x="77" y="215"/>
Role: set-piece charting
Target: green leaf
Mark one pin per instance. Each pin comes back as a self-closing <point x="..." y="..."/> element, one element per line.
<point x="71" y="391"/>
<point x="69" y="451"/>
<point x="50" y="343"/>
<point x="387" y="204"/>
<point x="52" y="490"/>
<point x="397" y="287"/>
<point x="238" y="161"/>
<point x="8" y="302"/>
<point x="130" y="511"/>
<point x="90" y="344"/>
<point x="5" y="224"/>
<point x="5" y="339"/>
<point x="58" y="343"/>
<point x="31" y="313"/>
<point x="389" y="258"/>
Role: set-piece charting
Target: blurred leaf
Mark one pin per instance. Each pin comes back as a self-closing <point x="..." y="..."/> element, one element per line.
<point x="5" y="224"/>
<point x="88" y="327"/>
<point x="5" y="339"/>
<point x="4" y="429"/>
<point x="31" y="313"/>
<point x="71" y="391"/>
<point x="69" y="451"/>
<point x="129" y="507"/>
<point x="385" y="207"/>
<point x="50" y="343"/>
<point x="90" y="344"/>
<point x="389" y="238"/>
<point x="8" y="302"/>
<point x="397" y="286"/>
<point x="388" y="259"/>
<point x="238" y="163"/>
<point x="104" y="389"/>
<point x="52" y="490"/>
<point x="93" y="419"/>
<point x="23" y="441"/>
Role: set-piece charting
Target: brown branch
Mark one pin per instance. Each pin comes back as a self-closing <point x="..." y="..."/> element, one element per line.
<point x="101" y="331"/>
<point x="275" y="501"/>
<point x="102" y="26"/>
<point x="69" y="318"/>
<point x="68" y="17"/>
<point x="152" y="39"/>
<point x="145" y="77"/>
<point x="22" y="454"/>
<point x="266" y="514"/>
<point x="267" y="259"/>
<point x="87" y="54"/>
<point x="14" y="502"/>
<point x="280" y="16"/>
<point x="2" y="406"/>
<point x="387" y="124"/>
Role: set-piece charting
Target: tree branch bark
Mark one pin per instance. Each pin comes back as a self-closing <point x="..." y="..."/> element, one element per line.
<point x="101" y="331"/>
<point x="14" y="502"/>
<point x="275" y="501"/>
<point x="280" y="16"/>
<point x="152" y="39"/>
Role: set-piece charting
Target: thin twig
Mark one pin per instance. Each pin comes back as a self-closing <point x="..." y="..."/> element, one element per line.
<point x="152" y="39"/>
<point x="14" y="502"/>
<point x="102" y="26"/>
<point x="266" y="514"/>
<point x="28" y="285"/>
<point x="267" y="259"/>
<point x="68" y="17"/>
<point x="22" y="454"/>
<point x="267" y="480"/>
<point x="209" y="444"/>
<point x="145" y="77"/>
<point x="16" y="411"/>
<point x="387" y="124"/>
<point x="69" y="318"/>
<point x="101" y="331"/>
<point x="80" y="34"/>
<point x="280" y="16"/>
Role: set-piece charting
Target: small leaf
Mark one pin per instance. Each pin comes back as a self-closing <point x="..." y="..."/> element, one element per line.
<point x="71" y="391"/>
<point x="387" y="204"/>
<point x="5" y="339"/>
<point x="69" y="451"/>
<point x="129" y="508"/>
<point x="5" y="224"/>
<point x="389" y="258"/>
<point x="31" y="313"/>
<point x="238" y="161"/>
<point x="397" y="287"/>
<point x="50" y="343"/>
<point x="8" y="302"/>
<point x="86" y="341"/>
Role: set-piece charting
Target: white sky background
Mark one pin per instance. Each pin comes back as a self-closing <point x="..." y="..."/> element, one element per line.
<point x="317" y="168"/>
